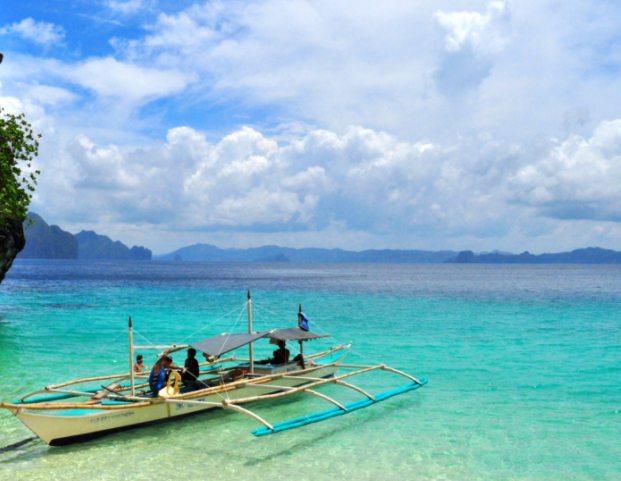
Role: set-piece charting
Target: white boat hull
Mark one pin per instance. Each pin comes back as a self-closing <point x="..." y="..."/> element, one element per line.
<point x="64" y="429"/>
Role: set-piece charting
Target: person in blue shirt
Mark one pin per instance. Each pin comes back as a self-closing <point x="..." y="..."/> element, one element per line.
<point x="160" y="371"/>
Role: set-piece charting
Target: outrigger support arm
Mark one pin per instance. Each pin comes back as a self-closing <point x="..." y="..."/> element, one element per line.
<point x="227" y="405"/>
<point x="339" y="382"/>
<point x="390" y="369"/>
<point x="383" y="367"/>
<point x="329" y="399"/>
<point x="223" y="405"/>
<point x="309" y="391"/>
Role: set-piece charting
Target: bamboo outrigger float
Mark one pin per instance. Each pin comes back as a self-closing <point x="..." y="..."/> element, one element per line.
<point x="127" y="402"/>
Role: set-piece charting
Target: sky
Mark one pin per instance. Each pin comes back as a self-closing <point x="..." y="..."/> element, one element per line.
<point x="354" y="124"/>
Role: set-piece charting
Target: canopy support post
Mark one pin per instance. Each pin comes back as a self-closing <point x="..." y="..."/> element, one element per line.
<point x="131" y="357"/>
<point x="250" y="347"/>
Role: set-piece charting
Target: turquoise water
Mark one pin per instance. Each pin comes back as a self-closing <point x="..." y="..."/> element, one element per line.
<point x="523" y="364"/>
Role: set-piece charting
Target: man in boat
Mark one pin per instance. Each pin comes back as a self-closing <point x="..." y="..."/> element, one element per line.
<point x="139" y="366"/>
<point x="191" y="373"/>
<point x="160" y="371"/>
<point x="282" y="354"/>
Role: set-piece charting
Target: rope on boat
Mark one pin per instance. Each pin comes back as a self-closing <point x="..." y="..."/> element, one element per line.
<point x="16" y="445"/>
<point x="211" y="323"/>
<point x="294" y="346"/>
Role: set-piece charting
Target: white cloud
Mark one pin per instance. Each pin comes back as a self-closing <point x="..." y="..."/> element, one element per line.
<point x="481" y="32"/>
<point x="128" y="7"/>
<point x="109" y="77"/>
<point x="39" y="32"/>
<point x="362" y="181"/>
<point x="48" y="95"/>
<point x="578" y="179"/>
<point x="450" y="100"/>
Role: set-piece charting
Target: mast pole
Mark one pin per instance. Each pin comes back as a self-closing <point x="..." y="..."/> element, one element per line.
<point x="250" y="347"/>
<point x="301" y="343"/>
<point x="131" y="356"/>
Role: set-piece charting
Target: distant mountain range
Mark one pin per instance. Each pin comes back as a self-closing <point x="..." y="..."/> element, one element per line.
<point x="51" y="242"/>
<point x="207" y="252"/>
<point x="590" y="255"/>
<point x="95" y="246"/>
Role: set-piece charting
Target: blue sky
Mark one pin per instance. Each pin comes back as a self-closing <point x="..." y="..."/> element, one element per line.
<point x="421" y="125"/>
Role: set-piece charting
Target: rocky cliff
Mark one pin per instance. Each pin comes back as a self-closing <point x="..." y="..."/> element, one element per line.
<point x="48" y="242"/>
<point x="12" y="241"/>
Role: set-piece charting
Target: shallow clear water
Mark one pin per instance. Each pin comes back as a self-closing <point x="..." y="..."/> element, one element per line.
<point x="523" y="364"/>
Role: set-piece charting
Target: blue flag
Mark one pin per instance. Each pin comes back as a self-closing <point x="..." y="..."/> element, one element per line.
<point x="304" y="322"/>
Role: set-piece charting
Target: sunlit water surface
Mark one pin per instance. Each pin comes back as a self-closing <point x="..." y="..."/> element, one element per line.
<point x="523" y="364"/>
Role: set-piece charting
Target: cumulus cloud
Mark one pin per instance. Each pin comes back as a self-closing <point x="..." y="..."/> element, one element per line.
<point x="577" y="179"/>
<point x="482" y="32"/>
<point x="361" y="181"/>
<point x="39" y="32"/>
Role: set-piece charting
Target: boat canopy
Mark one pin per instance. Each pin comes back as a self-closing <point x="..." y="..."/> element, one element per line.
<point x="215" y="346"/>
<point x="224" y="343"/>
<point x="293" y="334"/>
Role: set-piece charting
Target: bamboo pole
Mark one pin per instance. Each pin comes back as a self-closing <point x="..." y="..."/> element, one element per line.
<point x="202" y="392"/>
<point x="222" y="405"/>
<point x="250" y="346"/>
<point x="90" y="379"/>
<point x="324" y="353"/>
<point x="241" y="383"/>
<point x="302" y="388"/>
<point x="118" y="376"/>
<point x="131" y="357"/>
<point x="355" y="388"/>
<point x="390" y="369"/>
<point x="301" y="343"/>
<point x="354" y="366"/>
<point x="68" y="406"/>
<point x="240" y="409"/>
<point x="323" y="396"/>
<point x="336" y="381"/>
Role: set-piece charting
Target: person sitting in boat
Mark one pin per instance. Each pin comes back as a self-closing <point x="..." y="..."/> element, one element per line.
<point x="160" y="371"/>
<point x="191" y="373"/>
<point x="282" y="355"/>
<point x="139" y="366"/>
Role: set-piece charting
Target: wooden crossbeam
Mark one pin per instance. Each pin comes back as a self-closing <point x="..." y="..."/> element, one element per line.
<point x="311" y="385"/>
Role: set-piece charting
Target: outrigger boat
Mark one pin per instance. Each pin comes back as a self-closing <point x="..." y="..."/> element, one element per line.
<point x="68" y="414"/>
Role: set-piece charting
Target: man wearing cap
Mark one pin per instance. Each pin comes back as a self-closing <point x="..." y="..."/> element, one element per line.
<point x="159" y="373"/>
